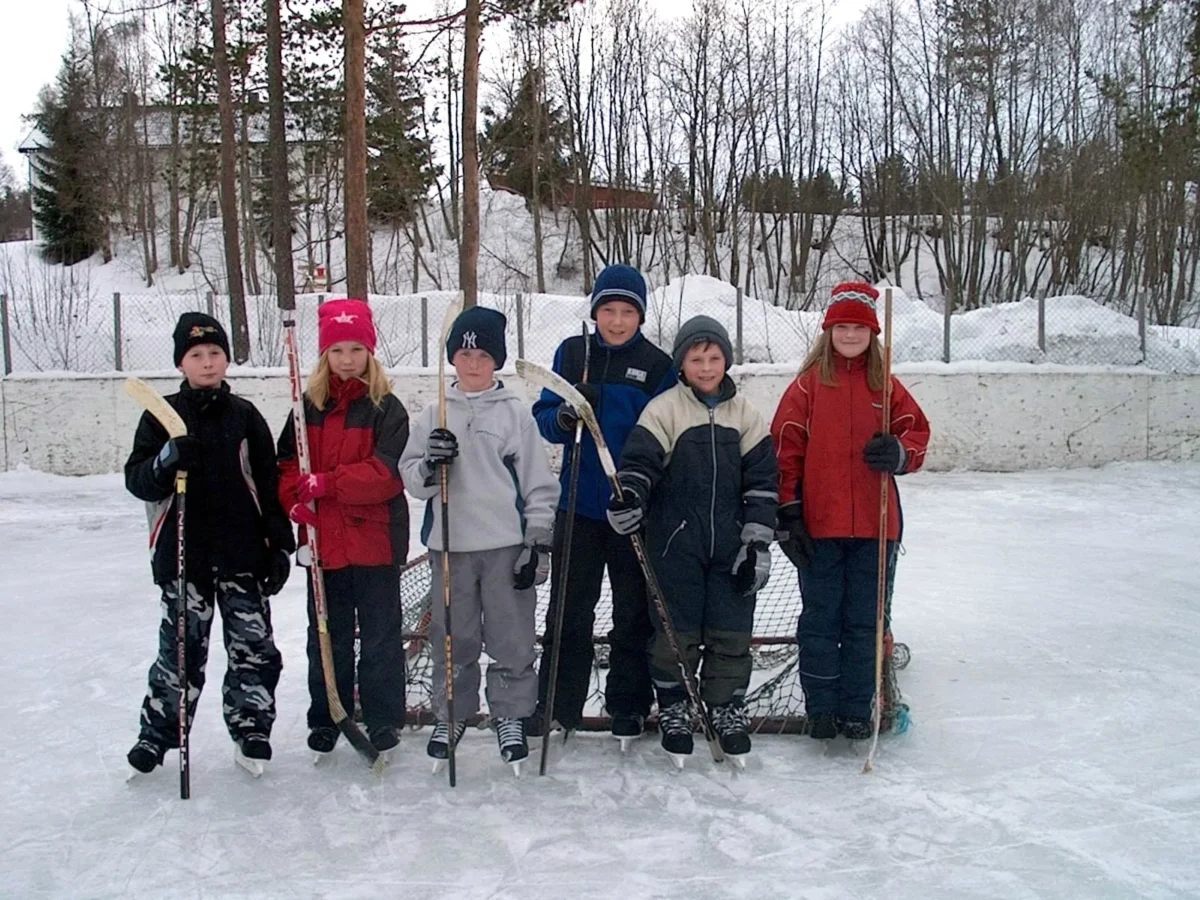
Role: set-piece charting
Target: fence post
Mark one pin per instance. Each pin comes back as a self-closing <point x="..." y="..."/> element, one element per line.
<point x="117" y="356"/>
<point x="424" y="334"/>
<point x="737" y="356"/>
<point x="520" y="327"/>
<point x="1142" y="323"/>
<point x="5" y="334"/>
<point x="210" y="304"/>
<point x="948" y="303"/>
<point x="1042" y="323"/>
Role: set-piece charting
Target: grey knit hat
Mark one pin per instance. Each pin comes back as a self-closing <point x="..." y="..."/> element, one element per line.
<point x="701" y="330"/>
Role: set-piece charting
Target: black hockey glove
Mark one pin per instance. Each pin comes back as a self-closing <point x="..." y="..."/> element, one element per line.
<point x="441" y="447"/>
<point x="533" y="563"/>
<point x="625" y="514"/>
<point x="752" y="567"/>
<point x="568" y="417"/>
<point x="883" y="453"/>
<point x="178" y="453"/>
<point x="792" y="535"/>
<point x="279" y="567"/>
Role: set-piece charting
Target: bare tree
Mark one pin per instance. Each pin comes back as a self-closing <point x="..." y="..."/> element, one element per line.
<point x="357" y="233"/>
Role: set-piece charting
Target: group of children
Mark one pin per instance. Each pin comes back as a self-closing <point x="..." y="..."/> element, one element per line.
<point x="700" y="474"/>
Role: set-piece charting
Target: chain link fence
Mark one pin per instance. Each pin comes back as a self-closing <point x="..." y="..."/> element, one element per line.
<point x="132" y="332"/>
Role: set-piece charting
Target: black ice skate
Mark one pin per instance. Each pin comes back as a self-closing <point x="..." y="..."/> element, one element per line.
<point x="822" y="727"/>
<point x="856" y="728"/>
<point x="627" y="728"/>
<point x="675" y="723"/>
<point x="321" y="741"/>
<point x="510" y="734"/>
<point x="733" y="729"/>
<point x="438" y="747"/>
<point x="384" y="738"/>
<point x="252" y="753"/>
<point x="144" y="758"/>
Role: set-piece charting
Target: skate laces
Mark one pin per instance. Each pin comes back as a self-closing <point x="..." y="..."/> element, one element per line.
<point x="730" y="718"/>
<point x="510" y="731"/>
<point x="676" y="718"/>
<point x="441" y="733"/>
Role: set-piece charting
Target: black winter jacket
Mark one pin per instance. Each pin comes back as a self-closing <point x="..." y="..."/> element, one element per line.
<point x="233" y="519"/>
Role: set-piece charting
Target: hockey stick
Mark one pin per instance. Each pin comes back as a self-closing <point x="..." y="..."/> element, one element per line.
<point x="556" y="384"/>
<point x="565" y="565"/>
<point x="444" y="475"/>
<point x="345" y="723"/>
<point x="885" y="481"/>
<point x="153" y="402"/>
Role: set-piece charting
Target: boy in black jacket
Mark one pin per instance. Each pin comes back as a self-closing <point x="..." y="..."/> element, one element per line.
<point x="237" y="543"/>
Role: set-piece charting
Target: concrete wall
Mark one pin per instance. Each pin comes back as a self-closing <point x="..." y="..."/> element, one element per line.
<point x="1000" y="419"/>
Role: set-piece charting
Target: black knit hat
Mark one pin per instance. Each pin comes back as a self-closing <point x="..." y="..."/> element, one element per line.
<point x="478" y="328"/>
<point x="198" y="328"/>
<point x="701" y="330"/>
<point x="620" y="282"/>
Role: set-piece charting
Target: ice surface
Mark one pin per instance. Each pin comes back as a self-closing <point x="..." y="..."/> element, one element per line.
<point x="1054" y="619"/>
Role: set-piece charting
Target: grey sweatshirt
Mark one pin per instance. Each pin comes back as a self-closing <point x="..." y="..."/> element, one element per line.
<point x="501" y="484"/>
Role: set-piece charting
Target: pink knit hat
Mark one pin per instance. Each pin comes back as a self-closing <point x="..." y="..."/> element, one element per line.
<point x="346" y="320"/>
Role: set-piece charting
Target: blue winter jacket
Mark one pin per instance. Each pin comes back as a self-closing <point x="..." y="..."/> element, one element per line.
<point x="628" y="377"/>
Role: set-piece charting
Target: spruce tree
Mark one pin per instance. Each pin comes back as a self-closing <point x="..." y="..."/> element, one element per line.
<point x="507" y="147"/>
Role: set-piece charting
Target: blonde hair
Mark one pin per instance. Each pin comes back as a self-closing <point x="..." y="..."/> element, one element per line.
<point x="376" y="380"/>
<point x="821" y="357"/>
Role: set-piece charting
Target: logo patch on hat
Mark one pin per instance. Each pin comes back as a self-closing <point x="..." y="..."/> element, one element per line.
<point x="201" y="330"/>
<point x="344" y="318"/>
<point x="636" y="374"/>
<point x="469" y="338"/>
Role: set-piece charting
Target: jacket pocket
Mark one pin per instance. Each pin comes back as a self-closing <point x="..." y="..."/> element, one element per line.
<point x="667" y="546"/>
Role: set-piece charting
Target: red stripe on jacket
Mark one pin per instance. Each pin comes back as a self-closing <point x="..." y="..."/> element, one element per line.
<point x="820" y="431"/>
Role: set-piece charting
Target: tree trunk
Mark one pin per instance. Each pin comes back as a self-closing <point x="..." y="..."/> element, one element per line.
<point x="229" y="204"/>
<point x="357" y="235"/>
<point x="281" y="213"/>
<point x="468" y="257"/>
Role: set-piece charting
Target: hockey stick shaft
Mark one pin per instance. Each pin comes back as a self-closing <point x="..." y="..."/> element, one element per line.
<point x="885" y="482"/>
<point x="447" y="617"/>
<point x="337" y="711"/>
<point x="181" y="611"/>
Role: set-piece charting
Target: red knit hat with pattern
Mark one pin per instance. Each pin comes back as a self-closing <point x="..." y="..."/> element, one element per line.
<point x="345" y="320"/>
<point x="853" y="303"/>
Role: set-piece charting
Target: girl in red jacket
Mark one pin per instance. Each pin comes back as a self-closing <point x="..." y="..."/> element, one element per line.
<point x="831" y="451"/>
<point x="357" y="430"/>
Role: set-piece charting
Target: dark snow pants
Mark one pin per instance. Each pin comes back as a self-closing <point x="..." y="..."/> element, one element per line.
<point x="370" y="594"/>
<point x="836" y="631"/>
<point x="595" y="546"/>
<point x="252" y="672"/>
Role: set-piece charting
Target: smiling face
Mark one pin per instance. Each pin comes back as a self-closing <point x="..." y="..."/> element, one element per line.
<point x="704" y="368"/>
<point x="347" y="359"/>
<point x="851" y="340"/>
<point x="204" y="366"/>
<point x="617" y="321"/>
<point x="476" y="370"/>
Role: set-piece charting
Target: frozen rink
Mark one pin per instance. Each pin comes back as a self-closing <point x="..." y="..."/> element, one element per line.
<point x="1054" y="620"/>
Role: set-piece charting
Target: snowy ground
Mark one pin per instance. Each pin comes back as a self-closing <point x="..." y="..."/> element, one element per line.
<point x="1053" y="619"/>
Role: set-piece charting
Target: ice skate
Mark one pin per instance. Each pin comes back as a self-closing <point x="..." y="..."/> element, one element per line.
<point x="733" y="730"/>
<point x="823" y="727"/>
<point x="321" y="741"/>
<point x="627" y="728"/>
<point x="252" y="753"/>
<point x="385" y="739"/>
<point x="675" y="724"/>
<point x="856" y="730"/>
<point x="514" y="748"/>
<point x="438" y="747"/>
<point x="143" y="758"/>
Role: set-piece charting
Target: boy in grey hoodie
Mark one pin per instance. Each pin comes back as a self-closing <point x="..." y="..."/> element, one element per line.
<point x="503" y="495"/>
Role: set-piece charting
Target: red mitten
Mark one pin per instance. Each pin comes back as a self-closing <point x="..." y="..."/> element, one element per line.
<point x="312" y="487"/>
<point x="303" y="514"/>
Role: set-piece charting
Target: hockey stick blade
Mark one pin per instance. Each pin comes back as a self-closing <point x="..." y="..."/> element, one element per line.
<point x="144" y="395"/>
<point x="556" y="384"/>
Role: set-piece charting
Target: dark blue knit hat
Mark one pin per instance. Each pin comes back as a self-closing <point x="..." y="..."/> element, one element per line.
<point x="478" y="328"/>
<point x="620" y="283"/>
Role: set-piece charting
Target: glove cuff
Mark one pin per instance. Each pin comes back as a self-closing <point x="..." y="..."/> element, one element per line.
<point x="753" y="532"/>
<point x="538" y="536"/>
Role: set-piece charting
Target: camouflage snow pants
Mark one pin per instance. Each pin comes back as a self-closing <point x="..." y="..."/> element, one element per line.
<point x="248" y="694"/>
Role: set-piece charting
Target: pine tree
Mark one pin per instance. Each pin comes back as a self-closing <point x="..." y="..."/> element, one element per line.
<point x="506" y="143"/>
<point x="68" y="187"/>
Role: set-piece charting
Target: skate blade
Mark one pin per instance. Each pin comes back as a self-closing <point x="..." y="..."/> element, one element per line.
<point x="677" y="760"/>
<point x="439" y="766"/>
<point x="134" y="774"/>
<point x="626" y="742"/>
<point x="516" y="767"/>
<point x="739" y="761"/>
<point x="255" y="767"/>
<point x="321" y="758"/>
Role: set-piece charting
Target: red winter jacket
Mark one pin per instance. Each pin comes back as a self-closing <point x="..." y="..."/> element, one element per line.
<point x="363" y="521"/>
<point x="819" y="434"/>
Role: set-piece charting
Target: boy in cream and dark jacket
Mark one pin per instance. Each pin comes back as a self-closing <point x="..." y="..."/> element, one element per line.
<point x="503" y="495"/>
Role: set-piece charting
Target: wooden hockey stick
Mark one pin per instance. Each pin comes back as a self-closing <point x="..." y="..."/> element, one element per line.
<point x="452" y="312"/>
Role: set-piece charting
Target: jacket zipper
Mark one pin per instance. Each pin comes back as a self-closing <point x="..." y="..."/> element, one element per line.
<point x="712" y="499"/>
<point x="682" y="525"/>
<point x="850" y="381"/>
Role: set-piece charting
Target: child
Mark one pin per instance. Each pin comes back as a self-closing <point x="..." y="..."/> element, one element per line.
<point x="502" y="497"/>
<point x="828" y="434"/>
<point x="699" y="468"/>
<point x="237" y="540"/>
<point x="625" y="372"/>
<point x="357" y="430"/>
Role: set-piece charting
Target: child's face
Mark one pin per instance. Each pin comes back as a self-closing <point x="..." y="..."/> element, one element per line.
<point x="851" y="340"/>
<point x="476" y="370"/>
<point x="347" y="359"/>
<point x="204" y="366"/>
<point x="704" y="367"/>
<point x="617" y="321"/>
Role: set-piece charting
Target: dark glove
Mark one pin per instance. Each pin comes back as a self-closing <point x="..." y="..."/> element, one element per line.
<point x="793" y="535"/>
<point x="568" y="417"/>
<point x="178" y="453"/>
<point x="533" y="563"/>
<point x="625" y="514"/>
<point x="440" y="449"/>
<point x="883" y="453"/>
<point x="278" y="570"/>
<point x="752" y="567"/>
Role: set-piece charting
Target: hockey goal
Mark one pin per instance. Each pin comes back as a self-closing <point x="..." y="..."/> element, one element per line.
<point x="775" y="702"/>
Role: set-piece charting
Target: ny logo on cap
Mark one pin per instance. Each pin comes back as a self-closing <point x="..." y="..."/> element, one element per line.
<point x="468" y="341"/>
<point x="344" y="318"/>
